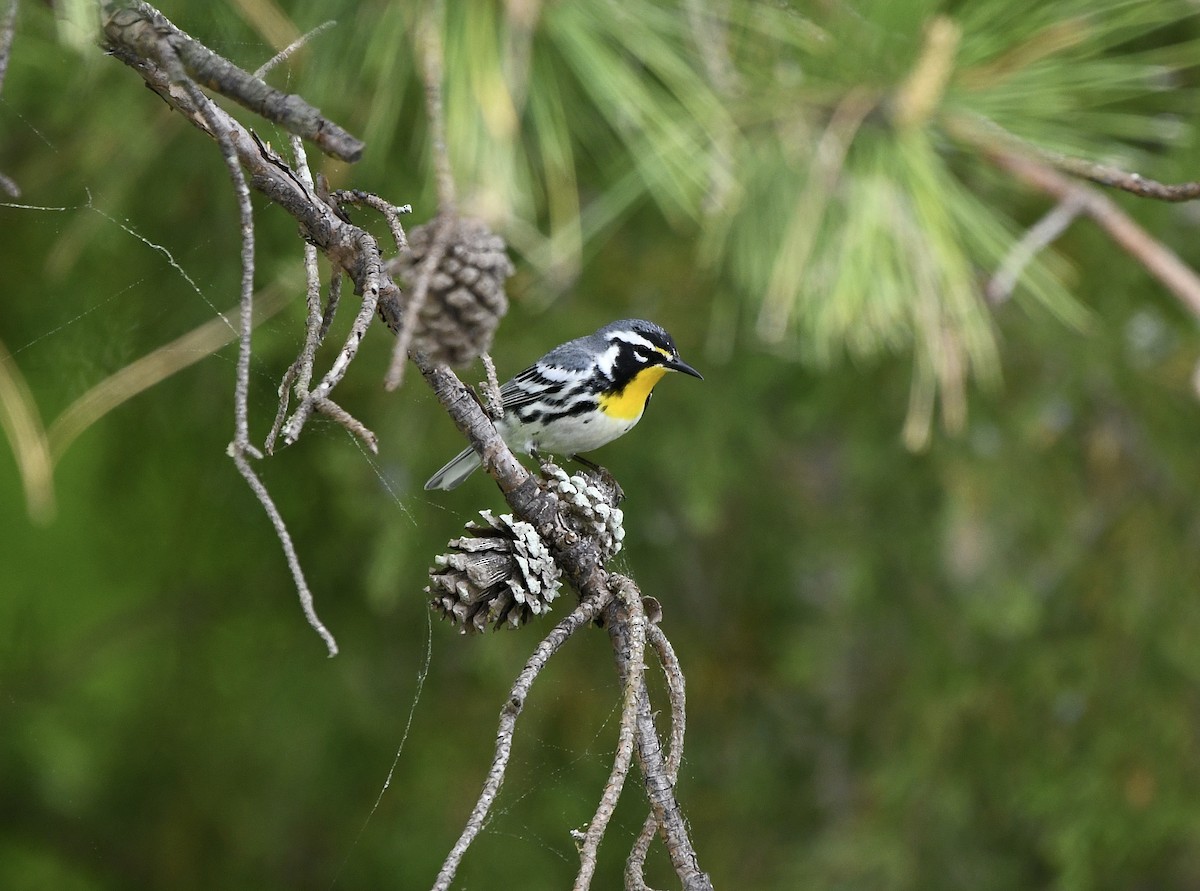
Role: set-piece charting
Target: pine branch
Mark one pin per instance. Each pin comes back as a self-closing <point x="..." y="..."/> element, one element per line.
<point x="1158" y="259"/>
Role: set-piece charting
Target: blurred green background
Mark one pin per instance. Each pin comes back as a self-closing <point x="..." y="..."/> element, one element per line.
<point x="930" y="564"/>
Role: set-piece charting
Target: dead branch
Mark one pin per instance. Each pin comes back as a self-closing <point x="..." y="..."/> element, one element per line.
<point x="284" y="54"/>
<point x="347" y="246"/>
<point x="636" y="862"/>
<point x="391" y="213"/>
<point x="1039" y="236"/>
<point x="990" y="137"/>
<point x="289" y="548"/>
<point x="658" y="779"/>
<point x="144" y="31"/>
<point x="633" y="663"/>
<point x="585" y="612"/>
<point x="241" y="449"/>
<point x="1158" y="259"/>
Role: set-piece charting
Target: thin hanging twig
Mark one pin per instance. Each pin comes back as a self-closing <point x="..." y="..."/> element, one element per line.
<point x="633" y="664"/>
<point x="585" y="612"/>
<point x="241" y="449"/>
<point x="1039" y="236"/>
<point x="284" y="54"/>
<point x="635" y="864"/>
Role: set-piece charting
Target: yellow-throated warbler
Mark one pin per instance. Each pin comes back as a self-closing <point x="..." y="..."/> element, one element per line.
<point x="580" y="395"/>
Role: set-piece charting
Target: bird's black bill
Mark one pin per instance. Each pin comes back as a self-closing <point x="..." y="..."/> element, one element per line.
<point x="678" y="364"/>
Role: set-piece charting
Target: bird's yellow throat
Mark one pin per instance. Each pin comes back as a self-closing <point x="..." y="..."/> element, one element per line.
<point x="628" y="403"/>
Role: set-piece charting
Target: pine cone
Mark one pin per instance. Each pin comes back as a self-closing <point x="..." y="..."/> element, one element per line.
<point x="466" y="298"/>
<point x="591" y="502"/>
<point x="500" y="573"/>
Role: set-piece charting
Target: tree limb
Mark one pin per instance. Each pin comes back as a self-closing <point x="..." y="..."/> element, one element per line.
<point x="146" y="32"/>
<point x="1158" y="259"/>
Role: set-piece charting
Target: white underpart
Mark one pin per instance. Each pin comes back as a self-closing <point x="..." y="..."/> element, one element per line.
<point x="568" y="436"/>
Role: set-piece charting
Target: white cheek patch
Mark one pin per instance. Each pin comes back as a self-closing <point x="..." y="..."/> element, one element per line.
<point x="608" y="359"/>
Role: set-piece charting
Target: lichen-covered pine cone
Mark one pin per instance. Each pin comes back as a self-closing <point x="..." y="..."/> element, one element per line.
<point x="500" y="574"/>
<point x="591" y="505"/>
<point x="466" y="299"/>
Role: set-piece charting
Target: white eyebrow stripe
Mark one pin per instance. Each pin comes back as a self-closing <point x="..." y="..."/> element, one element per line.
<point x="634" y="338"/>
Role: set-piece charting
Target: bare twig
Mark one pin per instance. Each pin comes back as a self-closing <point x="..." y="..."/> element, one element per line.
<point x="432" y="64"/>
<point x="1126" y="181"/>
<point x="1040" y="235"/>
<point x="1158" y="259"/>
<point x="585" y="612"/>
<point x="241" y="448"/>
<point x="299" y="373"/>
<point x="390" y="211"/>
<point x="635" y="864"/>
<point x="341" y="364"/>
<point x="148" y="33"/>
<point x="633" y="664"/>
<point x="241" y="440"/>
<point x="442" y="228"/>
<point x="335" y="412"/>
<point x="155" y="58"/>
<point x="659" y="781"/>
<point x="289" y="549"/>
<point x="331" y="305"/>
<point x="493" y="402"/>
<point x="284" y="54"/>
<point x="991" y="137"/>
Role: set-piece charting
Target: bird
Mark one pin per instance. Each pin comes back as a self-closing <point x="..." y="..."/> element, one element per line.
<point x="579" y="396"/>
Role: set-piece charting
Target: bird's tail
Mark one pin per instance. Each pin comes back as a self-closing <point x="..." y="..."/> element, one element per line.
<point x="460" y="467"/>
